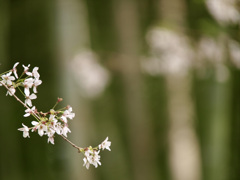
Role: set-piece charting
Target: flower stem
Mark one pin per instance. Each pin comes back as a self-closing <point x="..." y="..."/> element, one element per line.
<point x="73" y="145"/>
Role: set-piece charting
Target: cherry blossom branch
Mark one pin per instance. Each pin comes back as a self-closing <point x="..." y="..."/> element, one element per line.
<point x="49" y="123"/>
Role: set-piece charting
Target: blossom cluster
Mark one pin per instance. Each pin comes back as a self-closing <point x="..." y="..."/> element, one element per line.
<point x="92" y="154"/>
<point x="49" y="123"/>
<point x="27" y="80"/>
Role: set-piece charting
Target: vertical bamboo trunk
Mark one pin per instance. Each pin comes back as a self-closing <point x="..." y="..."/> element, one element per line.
<point x="72" y="35"/>
<point x="216" y="157"/>
<point x="138" y="124"/>
<point x="184" y="153"/>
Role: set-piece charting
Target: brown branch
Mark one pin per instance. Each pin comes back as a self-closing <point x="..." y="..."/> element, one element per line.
<point x="73" y="145"/>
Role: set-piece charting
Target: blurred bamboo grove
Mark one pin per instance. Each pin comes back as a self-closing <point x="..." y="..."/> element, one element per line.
<point x="160" y="78"/>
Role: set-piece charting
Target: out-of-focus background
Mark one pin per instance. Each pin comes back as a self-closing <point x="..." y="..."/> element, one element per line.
<point x="160" y="78"/>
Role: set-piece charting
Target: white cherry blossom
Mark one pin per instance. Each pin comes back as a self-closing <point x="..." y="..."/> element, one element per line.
<point x="29" y="111"/>
<point x="14" y="70"/>
<point x="105" y="145"/>
<point x="25" y="130"/>
<point x="52" y="118"/>
<point x="7" y="78"/>
<point x="36" y="124"/>
<point x="96" y="159"/>
<point x="65" y="130"/>
<point x="58" y="128"/>
<point x="50" y="133"/>
<point x="35" y="73"/>
<point x="40" y="127"/>
<point x="28" y="83"/>
<point x="86" y="162"/>
<point x="36" y="83"/>
<point x="91" y="157"/>
<point x="29" y="98"/>
<point x="67" y="114"/>
<point x="51" y="139"/>
<point x="11" y="91"/>
<point x="26" y="68"/>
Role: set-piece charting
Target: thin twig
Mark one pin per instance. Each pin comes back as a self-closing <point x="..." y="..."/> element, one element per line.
<point x="73" y="145"/>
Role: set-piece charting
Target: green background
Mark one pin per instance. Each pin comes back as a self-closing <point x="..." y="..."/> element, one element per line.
<point x="135" y="109"/>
